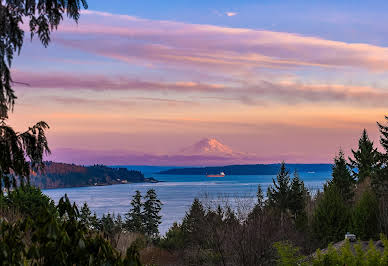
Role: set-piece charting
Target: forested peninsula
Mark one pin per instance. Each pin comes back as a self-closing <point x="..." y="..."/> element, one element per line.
<point x="62" y="175"/>
<point x="248" y="169"/>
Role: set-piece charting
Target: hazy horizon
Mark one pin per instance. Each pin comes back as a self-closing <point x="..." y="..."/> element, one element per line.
<point x="152" y="78"/>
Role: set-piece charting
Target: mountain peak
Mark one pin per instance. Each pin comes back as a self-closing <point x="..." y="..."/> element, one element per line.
<point x="208" y="146"/>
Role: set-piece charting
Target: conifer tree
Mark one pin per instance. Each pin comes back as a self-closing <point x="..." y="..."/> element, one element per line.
<point x="365" y="216"/>
<point x="150" y="214"/>
<point x="366" y="159"/>
<point x="194" y="221"/>
<point x="279" y="194"/>
<point x="260" y="197"/>
<point x="85" y="215"/>
<point x="384" y="134"/>
<point x="43" y="18"/>
<point x="331" y="218"/>
<point x="342" y="177"/>
<point x="297" y="203"/>
<point x="134" y="218"/>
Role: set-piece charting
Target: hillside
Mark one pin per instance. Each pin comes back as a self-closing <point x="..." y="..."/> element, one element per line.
<point x="61" y="175"/>
<point x="248" y="169"/>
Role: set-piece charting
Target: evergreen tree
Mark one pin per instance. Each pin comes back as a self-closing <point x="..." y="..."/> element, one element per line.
<point x="365" y="223"/>
<point x="384" y="134"/>
<point x="331" y="218"/>
<point x="43" y="17"/>
<point x="86" y="215"/>
<point x="297" y="203"/>
<point x="150" y="214"/>
<point x="367" y="160"/>
<point x="193" y="222"/>
<point x="134" y="218"/>
<point x="342" y="178"/>
<point x="260" y="197"/>
<point x="279" y="194"/>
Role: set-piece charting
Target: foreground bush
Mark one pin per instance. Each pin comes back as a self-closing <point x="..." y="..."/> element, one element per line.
<point x="55" y="236"/>
<point x="346" y="255"/>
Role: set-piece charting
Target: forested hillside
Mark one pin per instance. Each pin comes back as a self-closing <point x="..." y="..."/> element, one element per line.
<point x="60" y="175"/>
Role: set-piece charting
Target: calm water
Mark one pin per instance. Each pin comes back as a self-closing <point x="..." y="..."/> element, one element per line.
<point x="176" y="192"/>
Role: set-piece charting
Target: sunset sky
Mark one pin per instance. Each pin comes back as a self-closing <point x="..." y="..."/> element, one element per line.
<point x="285" y="80"/>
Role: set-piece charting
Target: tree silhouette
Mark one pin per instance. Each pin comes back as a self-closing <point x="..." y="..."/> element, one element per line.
<point x="43" y="16"/>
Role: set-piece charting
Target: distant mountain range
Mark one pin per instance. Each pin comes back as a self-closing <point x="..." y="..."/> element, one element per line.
<point x="250" y="169"/>
<point x="61" y="175"/>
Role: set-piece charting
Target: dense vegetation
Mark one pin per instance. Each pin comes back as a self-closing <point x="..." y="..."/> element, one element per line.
<point x="59" y="175"/>
<point x="290" y="224"/>
<point x="248" y="169"/>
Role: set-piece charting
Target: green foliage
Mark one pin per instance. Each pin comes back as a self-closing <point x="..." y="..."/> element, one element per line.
<point x="288" y="196"/>
<point x="29" y="201"/>
<point x="365" y="216"/>
<point x="331" y="216"/>
<point x="150" y="215"/>
<point x="346" y="255"/>
<point x="174" y="238"/>
<point x="366" y="159"/>
<point x="297" y="203"/>
<point x="288" y="255"/>
<point x="134" y="218"/>
<point x="194" y="219"/>
<point x="56" y="239"/>
<point x="143" y="217"/>
<point x="16" y="149"/>
<point x="279" y="194"/>
<point x="342" y="178"/>
<point x="384" y="134"/>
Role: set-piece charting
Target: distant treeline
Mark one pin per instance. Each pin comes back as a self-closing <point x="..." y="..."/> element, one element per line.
<point x="249" y="169"/>
<point x="60" y="175"/>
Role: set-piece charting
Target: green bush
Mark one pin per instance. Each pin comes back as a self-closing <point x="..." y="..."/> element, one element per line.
<point x="365" y="217"/>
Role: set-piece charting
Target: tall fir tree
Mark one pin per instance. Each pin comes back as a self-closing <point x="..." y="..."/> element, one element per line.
<point x="384" y="134"/>
<point x="150" y="214"/>
<point x="86" y="215"/>
<point x="367" y="160"/>
<point x="193" y="222"/>
<point x="342" y="178"/>
<point x="297" y="202"/>
<point x="134" y="217"/>
<point x="331" y="217"/>
<point x="279" y="194"/>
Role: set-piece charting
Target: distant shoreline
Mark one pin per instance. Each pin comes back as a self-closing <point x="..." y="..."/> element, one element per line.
<point x="247" y="169"/>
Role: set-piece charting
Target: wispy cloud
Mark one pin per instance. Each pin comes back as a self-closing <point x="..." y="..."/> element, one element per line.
<point x="231" y="14"/>
<point x="129" y="39"/>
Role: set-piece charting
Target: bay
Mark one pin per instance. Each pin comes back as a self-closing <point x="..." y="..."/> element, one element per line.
<point x="176" y="192"/>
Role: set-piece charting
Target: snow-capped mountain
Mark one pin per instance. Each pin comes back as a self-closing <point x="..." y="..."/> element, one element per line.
<point x="208" y="146"/>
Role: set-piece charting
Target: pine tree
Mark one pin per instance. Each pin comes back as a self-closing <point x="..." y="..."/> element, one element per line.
<point x="342" y="177"/>
<point x="134" y="218"/>
<point x="279" y="194"/>
<point x="384" y="134"/>
<point x="150" y="214"/>
<point x="86" y="215"/>
<point x="297" y="203"/>
<point x="260" y="197"/>
<point x="366" y="159"/>
<point x="365" y="217"/>
<point x="194" y="221"/>
<point x="331" y="218"/>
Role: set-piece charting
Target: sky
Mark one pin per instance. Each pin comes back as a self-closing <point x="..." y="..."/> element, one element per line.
<point x="284" y="80"/>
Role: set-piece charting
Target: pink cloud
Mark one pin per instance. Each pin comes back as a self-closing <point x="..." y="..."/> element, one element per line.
<point x="128" y="38"/>
<point x="251" y="94"/>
